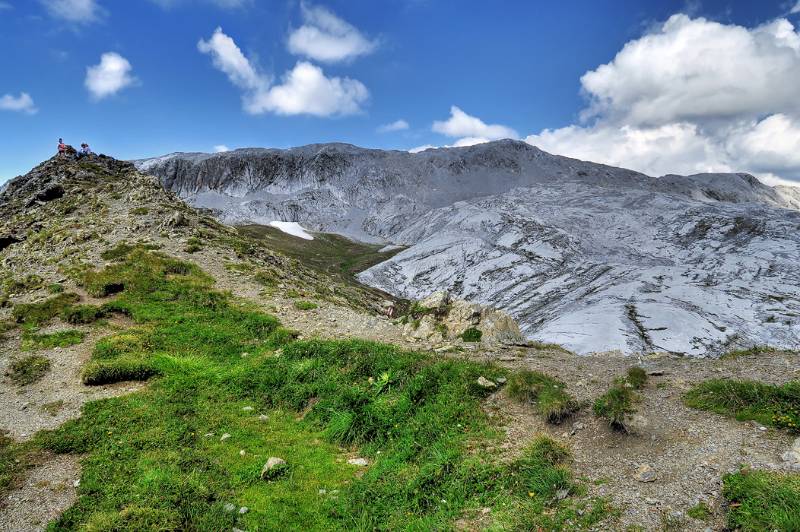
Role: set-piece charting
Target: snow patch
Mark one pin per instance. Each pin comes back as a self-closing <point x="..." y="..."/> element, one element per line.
<point x="292" y="228"/>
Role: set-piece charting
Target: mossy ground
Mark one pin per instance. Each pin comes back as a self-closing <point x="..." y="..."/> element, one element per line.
<point x="156" y="459"/>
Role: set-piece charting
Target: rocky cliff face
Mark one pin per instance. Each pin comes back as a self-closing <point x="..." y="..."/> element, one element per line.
<point x="592" y="257"/>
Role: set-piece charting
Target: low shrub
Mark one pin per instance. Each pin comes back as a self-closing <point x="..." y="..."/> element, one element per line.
<point x="472" y="335"/>
<point x="547" y="394"/>
<point x="616" y="405"/>
<point x="29" y="369"/>
<point x="637" y="377"/>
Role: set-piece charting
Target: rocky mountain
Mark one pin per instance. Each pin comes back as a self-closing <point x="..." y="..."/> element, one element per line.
<point x="592" y="257"/>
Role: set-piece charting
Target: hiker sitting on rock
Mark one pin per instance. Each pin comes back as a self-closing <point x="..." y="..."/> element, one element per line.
<point x="85" y="151"/>
<point x="62" y="148"/>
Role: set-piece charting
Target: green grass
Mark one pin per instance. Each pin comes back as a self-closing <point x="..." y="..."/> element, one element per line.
<point x="755" y="350"/>
<point x="32" y="341"/>
<point x="305" y="305"/>
<point x="637" y="377"/>
<point x="14" y="459"/>
<point x="775" y="406"/>
<point x="83" y="314"/>
<point x="140" y="211"/>
<point x="616" y="405"/>
<point x="547" y="394"/>
<point x="29" y="369"/>
<point x="193" y="245"/>
<point x="472" y="335"/>
<point x="155" y="459"/>
<point x="700" y="511"/>
<point x="762" y="500"/>
<point x="37" y="314"/>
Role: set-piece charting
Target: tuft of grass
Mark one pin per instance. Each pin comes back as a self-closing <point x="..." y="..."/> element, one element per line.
<point x="83" y="314"/>
<point x="193" y="245"/>
<point x="762" y="500"/>
<point x="55" y="288"/>
<point x="616" y="405"/>
<point x="140" y="211"/>
<point x="305" y="305"/>
<point x="700" y="511"/>
<point x="775" y="406"/>
<point x="636" y="377"/>
<point x="37" y="314"/>
<point x="29" y="369"/>
<point x="119" y="370"/>
<point x="118" y="252"/>
<point x="14" y="459"/>
<point x="472" y="335"/>
<point x="32" y="341"/>
<point x="546" y="393"/>
<point x="155" y="459"/>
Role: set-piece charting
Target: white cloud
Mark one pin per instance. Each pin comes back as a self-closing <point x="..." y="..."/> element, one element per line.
<point x="327" y="38"/>
<point x="303" y="90"/>
<point x="110" y="76"/>
<point x="224" y="4"/>
<point x="471" y="130"/>
<point x="74" y="11"/>
<point x="221" y="148"/>
<point x="795" y="9"/>
<point x="397" y="125"/>
<point x="22" y="103"/>
<point x="422" y="148"/>
<point x="694" y="95"/>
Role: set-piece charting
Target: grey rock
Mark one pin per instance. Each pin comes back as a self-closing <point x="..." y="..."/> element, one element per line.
<point x="483" y="382"/>
<point x="645" y="473"/>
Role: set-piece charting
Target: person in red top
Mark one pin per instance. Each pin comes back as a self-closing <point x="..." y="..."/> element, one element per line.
<point x="62" y="148"/>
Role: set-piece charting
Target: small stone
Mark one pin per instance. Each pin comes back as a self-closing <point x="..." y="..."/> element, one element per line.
<point x="486" y="511"/>
<point x="483" y="382"/>
<point x="562" y="494"/>
<point x="209" y="434"/>
<point x="225" y="437"/>
<point x="650" y="501"/>
<point x="245" y="355"/>
<point x="229" y="507"/>
<point x="502" y="380"/>
<point x="273" y="468"/>
<point x="242" y="452"/>
<point x="361" y="462"/>
<point x="247" y="408"/>
<point x="645" y="473"/>
<point x="76" y="483"/>
<point x="243" y="510"/>
<point x="323" y="492"/>
<point x="263" y="417"/>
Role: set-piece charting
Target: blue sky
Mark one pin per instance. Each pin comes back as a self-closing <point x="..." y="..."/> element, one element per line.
<point x="147" y="77"/>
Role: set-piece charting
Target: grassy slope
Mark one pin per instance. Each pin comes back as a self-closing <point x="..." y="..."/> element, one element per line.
<point x="155" y="459"/>
<point x="332" y="254"/>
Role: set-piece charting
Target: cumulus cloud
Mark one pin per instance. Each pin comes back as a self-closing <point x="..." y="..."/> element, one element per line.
<point x="471" y="130"/>
<point x="693" y="95"/>
<point x="305" y="89"/>
<point x="21" y="104"/>
<point x="397" y="125"/>
<point x="327" y="38"/>
<point x="108" y="77"/>
<point x="795" y="9"/>
<point x="74" y="11"/>
<point x="221" y="148"/>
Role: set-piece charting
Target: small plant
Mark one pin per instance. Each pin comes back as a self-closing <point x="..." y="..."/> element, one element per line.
<point x="83" y="314"/>
<point x="637" y="377"/>
<point x="541" y="470"/>
<point x="700" y="511"/>
<point x="118" y="252"/>
<point x="441" y="328"/>
<point x="472" y="335"/>
<point x="28" y="370"/>
<point x="55" y="288"/>
<point x="193" y="245"/>
<point x="140" y="211"/>
<point x="762" y="500"/>
<point x="616" y="405"/>
<point x="31" y="341"/>
<point x="53" y="408"/>
<point x="543" y="391"/>
<point x="754" y="350"/>
<point x="305" y="305"/>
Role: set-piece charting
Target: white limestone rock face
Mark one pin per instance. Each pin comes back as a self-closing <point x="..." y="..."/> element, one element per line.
<point x="588" y="256"/>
